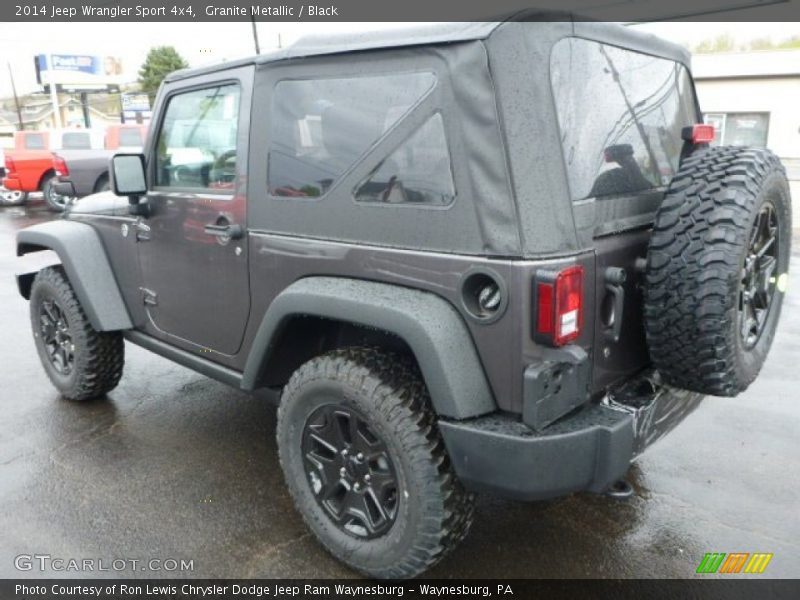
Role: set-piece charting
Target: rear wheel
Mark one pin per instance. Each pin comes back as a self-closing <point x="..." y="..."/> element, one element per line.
<point x="102" y="184"/>
<point x="366" y="465"/>
<point x="81" y="362"/>
<point x="717" y="269"/>
<point x="54" y="200"/>
<point x="12" y="197"/>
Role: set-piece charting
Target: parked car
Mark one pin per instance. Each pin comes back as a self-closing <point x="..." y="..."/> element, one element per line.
<point x="472" y="257"/>
<point x="83" y="171"/>
<point x="125" y="137"/>
<point x="27" y="172"/>
<point x="29" y="167"/>
<point x="8" y="197"/>
<point x="59" y="139"/>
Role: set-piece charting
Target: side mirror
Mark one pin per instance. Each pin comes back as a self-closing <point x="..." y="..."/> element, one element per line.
<point x="128" y="175"/>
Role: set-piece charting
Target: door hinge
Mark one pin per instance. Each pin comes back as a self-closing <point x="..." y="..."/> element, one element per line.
<point x="149" y="297"/>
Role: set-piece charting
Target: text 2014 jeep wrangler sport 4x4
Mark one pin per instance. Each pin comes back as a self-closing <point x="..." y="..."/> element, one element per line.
<point x="474" y="257"/>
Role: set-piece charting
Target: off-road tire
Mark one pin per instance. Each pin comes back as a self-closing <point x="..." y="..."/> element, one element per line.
<point x="696" y="265"/>
<point x="98" y="356"/>
<point x="51" y="198"/>
<point x="434" y="513"/>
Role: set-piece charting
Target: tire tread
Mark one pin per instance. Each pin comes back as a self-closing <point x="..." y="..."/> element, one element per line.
<point x="103" y="358"/>
<point x="395" y="384"/>
<point x="693" y="267"/>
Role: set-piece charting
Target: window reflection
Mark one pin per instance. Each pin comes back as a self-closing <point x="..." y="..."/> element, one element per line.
<point x="320" y="128"/>
<point x="197" y="141"/>
<point x="620" y="114"/>
<point x="417" y="172"/>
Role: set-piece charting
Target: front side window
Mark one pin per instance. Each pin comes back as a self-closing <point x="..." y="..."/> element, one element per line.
<point x="320" y="128"/>
<point x="620" y="114"/>
<point x="417" y="172"/>
<point x="196" y="145"/>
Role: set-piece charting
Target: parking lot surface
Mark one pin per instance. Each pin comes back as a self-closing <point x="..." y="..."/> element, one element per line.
<point x="172" y="465"/>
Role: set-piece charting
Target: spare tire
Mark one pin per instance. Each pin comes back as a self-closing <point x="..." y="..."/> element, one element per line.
<point x="716" y="269"/>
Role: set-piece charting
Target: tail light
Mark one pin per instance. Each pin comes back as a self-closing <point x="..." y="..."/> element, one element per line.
<point x="10" y="166"/>
<point x="699" y="133"/>
<point x="60" y="166"/>
<point x="559" y="305"/>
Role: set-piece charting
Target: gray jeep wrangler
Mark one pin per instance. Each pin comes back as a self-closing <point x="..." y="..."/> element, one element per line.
<point x="495" y="256"/>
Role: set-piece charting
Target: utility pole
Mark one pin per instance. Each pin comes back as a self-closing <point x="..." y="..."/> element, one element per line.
<point x="87" y="121"/>
<point x="255" y="33"/>
<point x="53" y="92"/>
<point x="16" y="99"/>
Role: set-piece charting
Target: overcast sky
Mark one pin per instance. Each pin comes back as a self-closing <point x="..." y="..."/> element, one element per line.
<point x="201" y="43"/>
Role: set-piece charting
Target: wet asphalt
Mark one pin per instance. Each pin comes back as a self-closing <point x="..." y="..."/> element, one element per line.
<point x="172" y="465"/>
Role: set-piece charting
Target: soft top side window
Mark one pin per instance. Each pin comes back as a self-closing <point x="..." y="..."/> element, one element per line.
<point x="417" y="172"/>
<point x="319" y="128"/>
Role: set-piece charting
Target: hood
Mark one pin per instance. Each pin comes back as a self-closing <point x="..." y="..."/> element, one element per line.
<point x="102" y="203"/>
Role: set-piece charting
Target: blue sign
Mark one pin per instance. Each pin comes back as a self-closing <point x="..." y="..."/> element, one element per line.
<point x="90" y="65"/>
<point x="135" y="102"/>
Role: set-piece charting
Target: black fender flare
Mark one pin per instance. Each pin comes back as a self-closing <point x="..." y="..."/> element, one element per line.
<point x="86" y="264"/>
<point x="431" y="326"/>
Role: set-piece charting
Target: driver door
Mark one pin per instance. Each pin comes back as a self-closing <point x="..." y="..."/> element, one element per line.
<point x="193" y="246"/>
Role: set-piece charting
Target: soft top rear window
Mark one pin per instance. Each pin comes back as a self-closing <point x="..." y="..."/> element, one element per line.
<point x="620" y="114"/>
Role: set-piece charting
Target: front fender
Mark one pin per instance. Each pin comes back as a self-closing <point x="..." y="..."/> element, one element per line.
<point x="430" y="326"/>
<point x="87" y="267"/>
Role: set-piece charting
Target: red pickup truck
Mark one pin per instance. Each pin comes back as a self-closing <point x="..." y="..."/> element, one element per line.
<point x="31" y="166"/>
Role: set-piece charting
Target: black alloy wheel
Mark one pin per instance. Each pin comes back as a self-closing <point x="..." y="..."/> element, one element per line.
<point x="366" y="466"/>
<point x="350" y="471"/>
<point x="759" y="275"/>
<point x="81" y="362"/>
<point x="56" y="337"/>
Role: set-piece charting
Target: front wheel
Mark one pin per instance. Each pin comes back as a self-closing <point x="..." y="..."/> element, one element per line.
<point x="366" y="466"/>
<point x="81" y="362"/>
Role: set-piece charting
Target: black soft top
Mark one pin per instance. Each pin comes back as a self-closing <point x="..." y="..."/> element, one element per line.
<point x="423" y="34"/>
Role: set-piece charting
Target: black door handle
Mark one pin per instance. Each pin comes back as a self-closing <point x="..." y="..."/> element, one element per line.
<point x="231" y="231"/>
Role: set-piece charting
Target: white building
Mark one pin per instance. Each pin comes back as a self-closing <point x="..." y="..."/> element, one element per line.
<point x="753" y="98"/>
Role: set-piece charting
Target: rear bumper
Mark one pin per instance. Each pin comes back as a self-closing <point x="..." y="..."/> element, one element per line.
<point x="586" y="451"/>
<point x="12" y="183"/>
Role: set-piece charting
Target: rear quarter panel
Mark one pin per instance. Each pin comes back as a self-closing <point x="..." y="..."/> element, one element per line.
<point x="30" y="166"/>
<point x="85" y="168"/>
